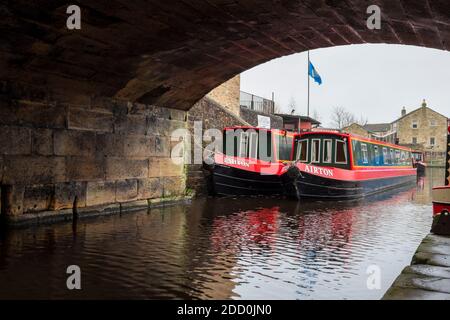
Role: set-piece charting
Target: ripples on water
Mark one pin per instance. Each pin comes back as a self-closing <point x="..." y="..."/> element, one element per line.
<point x="224" y="248"/>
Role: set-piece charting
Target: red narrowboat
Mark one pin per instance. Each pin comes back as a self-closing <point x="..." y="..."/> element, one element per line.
<point x="331" y="165"/>
<point x="251" y="163"/>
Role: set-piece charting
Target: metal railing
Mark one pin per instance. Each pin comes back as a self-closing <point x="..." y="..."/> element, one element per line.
<point x="256" y="103"/>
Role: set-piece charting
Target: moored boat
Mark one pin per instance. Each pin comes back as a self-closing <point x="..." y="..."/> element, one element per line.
<point x="251" y="163"/>
<point x="331" y="165"/>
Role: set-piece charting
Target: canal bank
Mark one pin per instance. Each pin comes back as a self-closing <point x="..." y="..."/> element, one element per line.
<point x="428" y="276"/>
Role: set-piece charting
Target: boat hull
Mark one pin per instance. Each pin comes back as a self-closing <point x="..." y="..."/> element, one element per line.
<point x="227" y="180"/>
<point x="300" y="184"/>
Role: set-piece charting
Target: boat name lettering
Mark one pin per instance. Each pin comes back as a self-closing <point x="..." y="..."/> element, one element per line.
<point x="317" y="170"/>
<point x="236" y="162"/>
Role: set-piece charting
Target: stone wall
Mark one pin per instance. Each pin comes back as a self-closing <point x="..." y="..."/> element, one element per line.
<point x="54" y="157"/>
<point x="251" y="116"/>
<point x="227" y="94"/>
<point x="211" y="115"/>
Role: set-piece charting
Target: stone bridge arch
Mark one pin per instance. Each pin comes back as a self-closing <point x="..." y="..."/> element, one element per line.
<point x="86" y="115"/>
<point x="171" y="53"/>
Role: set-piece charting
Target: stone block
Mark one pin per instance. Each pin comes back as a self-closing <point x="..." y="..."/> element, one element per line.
<point x="122" y="168"/>
<point x="33" y="114"/>
<point x="149" y="188"/>
<point x="139" y="146"/>
<point x="82" y="119"/>
<point x="74" y="143"/>
<point x="12" y="197"/>
<point x="177" y="115"/>
<point x="162" y="146"/>
<point x="85" y="168"/>
<point x="42" y="142"/>
<point x="169" y="168"/>
<point x="65" y="194"/>
<point x="110" y="144"/>
<point x="102" y="192"/>
<point x="154" y="167"/>
<point x="131" y="124"/>
<point x="33" y="169"/>
<point x="173" y="186"/>
<point x="37" y="198"/>
<point x="126" y="190"/>
<point x="15" y="140"/>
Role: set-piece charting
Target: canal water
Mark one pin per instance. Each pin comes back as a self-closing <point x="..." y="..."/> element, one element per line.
<point x="225" y="248"/>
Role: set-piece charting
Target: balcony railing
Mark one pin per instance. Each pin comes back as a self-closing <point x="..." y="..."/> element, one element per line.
<point x="256" y="103"/>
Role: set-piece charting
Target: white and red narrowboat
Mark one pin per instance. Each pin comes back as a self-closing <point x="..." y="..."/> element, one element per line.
<point x="331" y="165"/>
<point x="251" y="163"/>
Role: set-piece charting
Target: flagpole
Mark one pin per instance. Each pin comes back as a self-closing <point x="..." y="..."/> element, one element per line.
<point x="308" y="84"/>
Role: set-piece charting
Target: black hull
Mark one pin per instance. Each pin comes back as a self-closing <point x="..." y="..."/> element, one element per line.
<point x="226" y="180"/>
<point x="305" y="185"/>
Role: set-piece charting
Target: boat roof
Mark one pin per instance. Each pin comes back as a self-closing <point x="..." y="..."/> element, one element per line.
<point x="354" y="137"/>
<point x="277" y="131"/>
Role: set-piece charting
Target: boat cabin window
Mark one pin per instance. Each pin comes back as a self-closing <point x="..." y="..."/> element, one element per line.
<point x="253" y="145"/>
<point x="249" y="143"/>
<point x="284" y="144"/>
<point x="364" y="153"/>
<point x="243" y="145"/>
<point x="397" y="156"/>
<point x="327" y="150"/>
<point x="385" y="156"/>
<point x="341" y="152"/>
<point x="377" y="156"/>
<point x="302" y="150"/>
<point x="315" y="150"/>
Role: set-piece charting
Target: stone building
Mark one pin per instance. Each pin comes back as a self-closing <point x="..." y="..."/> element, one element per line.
<point x="378" y="131"/>
<point x="422" y="129"/>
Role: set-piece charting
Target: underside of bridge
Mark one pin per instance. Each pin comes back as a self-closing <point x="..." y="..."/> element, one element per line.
<point x="86" y="115"/>
<point x="172" y="52"/>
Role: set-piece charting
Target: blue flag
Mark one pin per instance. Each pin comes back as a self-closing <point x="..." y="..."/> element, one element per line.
<point x="314" y="74"/>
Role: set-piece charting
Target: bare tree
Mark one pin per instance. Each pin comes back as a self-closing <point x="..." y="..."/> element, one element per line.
<point x="316" y="115"/>
<point x="292" y="105"/>
<point x="341" y="118"/>
<point x="277" y="108"/>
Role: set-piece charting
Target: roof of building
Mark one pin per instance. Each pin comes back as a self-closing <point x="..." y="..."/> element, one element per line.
<point x="377" y="127"/>
<point x="424" y="105"/>
<point x="296" y="116"/>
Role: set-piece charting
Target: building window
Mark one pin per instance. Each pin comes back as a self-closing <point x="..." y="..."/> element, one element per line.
<point x="433" y="123"/>
<point x="414" y="140"/>
<point x="414" y="124"/>
<point x="432" y="141"/>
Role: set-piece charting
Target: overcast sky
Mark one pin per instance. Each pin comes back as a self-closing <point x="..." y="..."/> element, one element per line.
<point x="375" y="81"/>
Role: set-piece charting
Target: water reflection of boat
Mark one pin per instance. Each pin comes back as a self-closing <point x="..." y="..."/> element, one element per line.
<point x="418" y="162"/>
<point x="343" y="166"/>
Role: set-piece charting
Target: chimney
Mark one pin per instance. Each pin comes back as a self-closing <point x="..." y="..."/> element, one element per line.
<point x="403" y="111"/>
